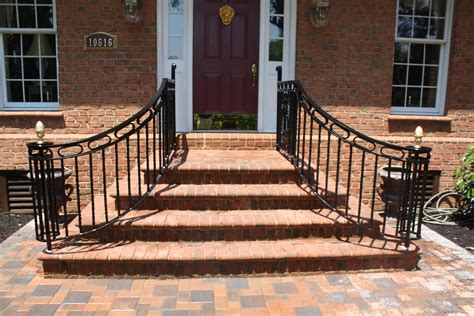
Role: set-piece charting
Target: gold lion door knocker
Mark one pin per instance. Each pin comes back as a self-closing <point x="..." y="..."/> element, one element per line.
<point x="227" y="14"/>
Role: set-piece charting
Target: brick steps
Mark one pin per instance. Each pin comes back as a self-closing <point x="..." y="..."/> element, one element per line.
<point x="227" y="258"/>
<point x="224" y="197"/>
<point x="231" y="212"/>
<point x="229" y="167"/>
<point x="176" y="225"/>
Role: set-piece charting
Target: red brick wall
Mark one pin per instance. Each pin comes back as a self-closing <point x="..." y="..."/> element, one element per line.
<point x="347" y="67"/>
<point x="126" y="75"/>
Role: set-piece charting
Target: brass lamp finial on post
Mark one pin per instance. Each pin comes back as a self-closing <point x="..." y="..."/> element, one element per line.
<point x="40" y="132"/>
<point x="418" y="135"/>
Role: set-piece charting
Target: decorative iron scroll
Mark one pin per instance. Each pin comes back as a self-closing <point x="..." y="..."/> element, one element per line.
<point x="99" y="171"/>
<point x="227" y="14"/>
<point x="340" y="164"/>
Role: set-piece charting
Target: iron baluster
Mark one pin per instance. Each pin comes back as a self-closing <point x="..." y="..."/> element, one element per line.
<point x="91" y="185"/>
<point x="349" y="174"/>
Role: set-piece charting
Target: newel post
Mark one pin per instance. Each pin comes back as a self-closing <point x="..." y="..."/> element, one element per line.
<point x="42" y="193"/>
<point x="418" y="160"/>
<point x="279" y="110"/>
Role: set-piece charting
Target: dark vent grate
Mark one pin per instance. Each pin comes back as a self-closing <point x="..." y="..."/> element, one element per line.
<point x="18" y="193"/>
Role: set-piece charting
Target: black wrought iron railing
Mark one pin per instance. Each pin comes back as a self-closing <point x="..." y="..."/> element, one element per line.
<point x="342" y="166"/>
<point x="81" y="187"/>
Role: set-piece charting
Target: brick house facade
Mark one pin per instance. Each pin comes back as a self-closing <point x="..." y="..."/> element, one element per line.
<point x="346" y="67"/>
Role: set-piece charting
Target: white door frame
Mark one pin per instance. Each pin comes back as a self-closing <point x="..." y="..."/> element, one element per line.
<point x="267" y="72"/>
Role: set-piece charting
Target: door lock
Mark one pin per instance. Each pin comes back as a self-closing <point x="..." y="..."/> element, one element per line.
<point x="254" y="74"/>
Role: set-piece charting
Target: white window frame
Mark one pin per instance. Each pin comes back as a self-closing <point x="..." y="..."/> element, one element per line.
<point x="445" y="44"/>
<point x="26" y="106"/>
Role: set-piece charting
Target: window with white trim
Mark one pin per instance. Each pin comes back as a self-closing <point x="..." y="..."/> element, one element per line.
<point x="421" y="56"/>
<point x="276" y="33"/>
<point x="29" y="71"/>
<point x="175" y="29"/>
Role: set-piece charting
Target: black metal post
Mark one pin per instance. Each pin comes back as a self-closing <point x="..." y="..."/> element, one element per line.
<point x="279" y="73"/>
<point x="173" y="71"/>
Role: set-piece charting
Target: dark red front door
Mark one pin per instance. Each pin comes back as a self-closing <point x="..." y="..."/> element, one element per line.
<point x="223" y="81"/>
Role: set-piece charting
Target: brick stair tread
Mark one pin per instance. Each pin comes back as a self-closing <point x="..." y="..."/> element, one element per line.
<point x="237" y="161"/>
<point x="178" y="219"/>
<point x="226" y="191"/>
<point x="289" y="249"/>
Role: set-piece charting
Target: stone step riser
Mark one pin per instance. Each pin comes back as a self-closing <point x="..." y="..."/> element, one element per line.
<point x="227" y="203"/>
<point x="172" y="234"/>
<point x="222" y="177"/>
<point x="219" y="267"/>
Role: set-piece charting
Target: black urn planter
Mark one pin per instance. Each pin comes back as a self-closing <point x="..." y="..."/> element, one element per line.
<point x="391" y="188"/>
<point x="60" y="188"/>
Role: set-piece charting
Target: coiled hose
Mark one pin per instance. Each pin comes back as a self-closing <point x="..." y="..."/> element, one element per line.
<point x="433" y="213"/>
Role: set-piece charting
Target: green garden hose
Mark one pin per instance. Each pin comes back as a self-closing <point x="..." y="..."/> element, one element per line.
<point x="433" y="213"/>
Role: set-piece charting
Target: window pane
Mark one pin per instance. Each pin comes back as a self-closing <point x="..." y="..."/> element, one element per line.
<point x="417" y="51"/>
<point x="8" y="16"/>
<point x="32" y="91"/>
<point x="420" y="29"/>
<point x="30" y="45"/>
<point x="50" y="91"/>
<point x="48" y="44"/>
<point x="44" y="1"/>
<point x="12" y="44"/>
<point x="27" y="16"/>
<point x="413" y="97"/>
<point x="277" y="6"/>
<point x="175" y="24"/>
<point x="13" y="68"/>
<point x="175" y="6"/>
<point x="14" y="91"/>
<point x="175" y="48"/>
<point x="437" y="29"/>
<point x="438" y="8"/>
<point x="405" y="7"/>
<point x="422" y="7"/>
<point x="45" y="17"/>
<point x="429" y="98"/>
<point x="31" y="68"/>
<point x="399" y="75"/>
<point x="398" y="96"/>
<point x="432" y="54"/>
<point x="276" y="26"/>
<point x="26" y="1"/>
<point x="404" y="27"/>
<point x="431" y="76"/>
<point x="276" y="50"/>
<point x="401" y="53"/>
<point x="414" y="76"/>
<point x="48" y="68"/>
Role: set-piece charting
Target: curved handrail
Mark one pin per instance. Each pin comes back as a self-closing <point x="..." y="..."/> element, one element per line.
<point x="101" y="172"/>
<point x="331" y="158"/>
<point x="114" y="129"/>
<point x="313" y="105"/>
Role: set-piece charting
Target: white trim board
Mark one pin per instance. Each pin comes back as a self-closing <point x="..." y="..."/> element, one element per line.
<point x="267" y="92"/>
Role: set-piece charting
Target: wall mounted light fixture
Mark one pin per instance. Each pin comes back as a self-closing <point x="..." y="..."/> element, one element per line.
<point x="132" y="11"/>
<point x="319" y="12"/>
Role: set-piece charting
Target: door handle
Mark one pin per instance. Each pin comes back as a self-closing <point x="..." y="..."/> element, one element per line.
<point x="254" y="74"/>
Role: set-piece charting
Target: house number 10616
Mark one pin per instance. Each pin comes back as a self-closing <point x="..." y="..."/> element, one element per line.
<point x="100" y="40"/>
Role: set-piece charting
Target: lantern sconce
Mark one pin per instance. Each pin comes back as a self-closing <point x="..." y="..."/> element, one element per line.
<point x="319" y="12"/>
<point x="132" y="11"/>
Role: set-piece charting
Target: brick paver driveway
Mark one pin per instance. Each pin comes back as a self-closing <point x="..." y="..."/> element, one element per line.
<point x="444" y="284"/>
